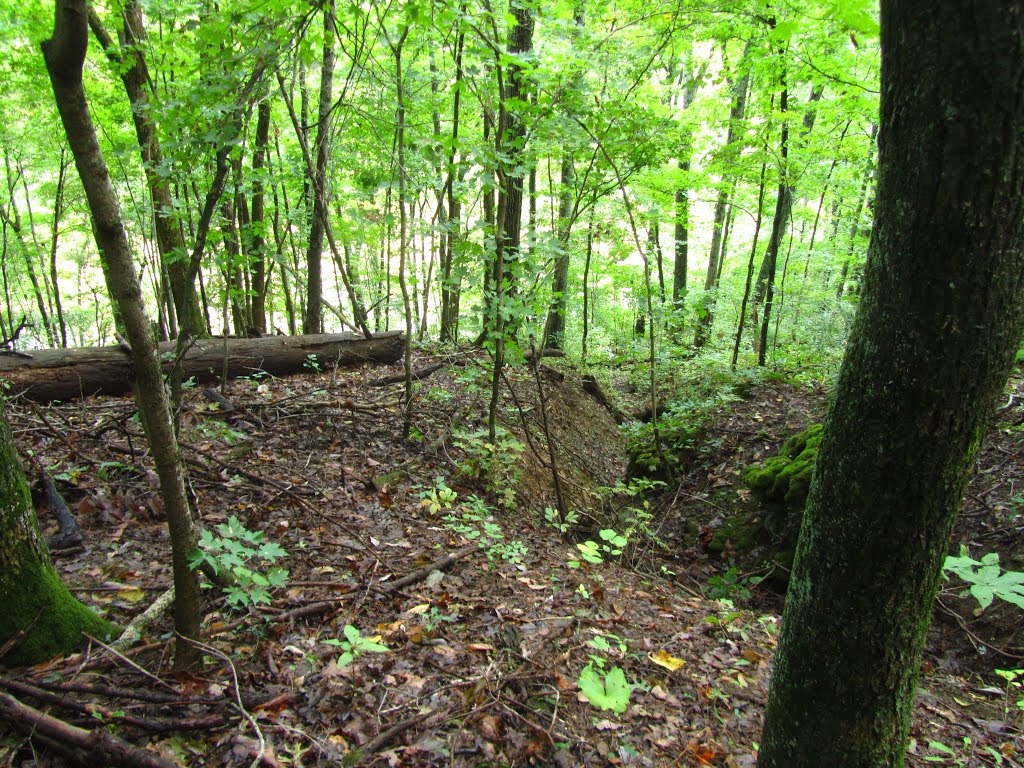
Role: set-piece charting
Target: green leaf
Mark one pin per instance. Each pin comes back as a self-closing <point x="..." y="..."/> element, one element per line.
<point x="610" y="692"/>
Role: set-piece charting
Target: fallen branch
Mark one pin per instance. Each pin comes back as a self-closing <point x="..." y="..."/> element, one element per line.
<point x="103" y="747"/>
<point x="421" y="573"/>
<point x="68" y="534"/>
<point x="156" y="725"/>
<point x="133" y="632"/>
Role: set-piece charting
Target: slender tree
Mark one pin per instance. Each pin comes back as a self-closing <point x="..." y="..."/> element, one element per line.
<point x="511" y="140"/>
<point x="940" y="316"/>
<point x="64" y="54"/>
<point x="313" y="320"/>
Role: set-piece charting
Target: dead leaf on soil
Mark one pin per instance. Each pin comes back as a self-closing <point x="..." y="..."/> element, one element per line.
<point x="665" y="659"/>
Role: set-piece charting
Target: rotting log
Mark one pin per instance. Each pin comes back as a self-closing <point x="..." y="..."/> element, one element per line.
<point x="67" y="374"/>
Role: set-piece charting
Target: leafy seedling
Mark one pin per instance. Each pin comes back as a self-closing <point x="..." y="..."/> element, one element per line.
<point x="987" y="579"/>
<point x="355" y="645"/>
<point x="609" y="691"/>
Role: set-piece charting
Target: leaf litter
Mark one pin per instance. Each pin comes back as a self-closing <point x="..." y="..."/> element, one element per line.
<point x="484" y="654"/>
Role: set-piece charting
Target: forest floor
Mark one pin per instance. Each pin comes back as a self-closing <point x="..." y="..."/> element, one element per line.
<point x="486" y="647"/>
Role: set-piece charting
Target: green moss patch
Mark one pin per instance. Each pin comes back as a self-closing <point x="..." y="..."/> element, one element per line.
<point x="738" y="534"/>
<point x="37" y="598"/>
<point x="783" y="480"/>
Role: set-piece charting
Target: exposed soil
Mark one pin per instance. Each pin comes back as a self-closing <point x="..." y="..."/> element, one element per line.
<point x="485" y="654"/>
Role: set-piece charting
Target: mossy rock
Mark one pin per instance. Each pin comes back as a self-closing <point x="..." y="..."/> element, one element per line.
<point x="784" y="480"/>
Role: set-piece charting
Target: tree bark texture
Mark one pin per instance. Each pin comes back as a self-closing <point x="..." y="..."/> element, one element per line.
<point x="941" y="313"/>
<point x="34" y="599"/>
<point x="66" y="374"/>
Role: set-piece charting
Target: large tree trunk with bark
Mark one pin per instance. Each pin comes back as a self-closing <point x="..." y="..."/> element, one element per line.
<point x="940" y="317"/>
<point x="511" y="146"/>
<point x="67" y="374"/>
<point x="34" y="599"/>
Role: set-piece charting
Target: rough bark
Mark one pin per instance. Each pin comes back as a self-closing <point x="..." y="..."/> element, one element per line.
<point x="64" y="54"/>
<point x="940" y="317"/>
<point x="72" y="373"/>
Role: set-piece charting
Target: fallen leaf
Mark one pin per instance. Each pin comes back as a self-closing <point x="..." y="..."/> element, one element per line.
<point x="492" y="728"/>
<point x="131" y="594"/>
<point x="665" y="659"/>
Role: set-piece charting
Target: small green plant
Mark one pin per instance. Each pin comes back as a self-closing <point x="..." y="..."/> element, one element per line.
<point x="595" y="552"/>
<point x="604" y="643"/>
<point x="435" y="617"/>
<point x="986" y="578"/>
<point x="241" y="553"/>
<point x="438" y="498"/>
<point x="553" y="520"/>
<point x="355" y="645"/>
<point x="109" y="719"/>
<point x="605" y="690"/>
<point x="107" y="469"/>
<point x="1014" y="687"/>
<point x="474" y="521"/>
<point x="311" y="363"/>
<point x="69" y="474"/>
<point x="947" y="755"/>
<point x="732" y="585"/>
<point x="219" y="431"/>
<point x="496" y="462"/>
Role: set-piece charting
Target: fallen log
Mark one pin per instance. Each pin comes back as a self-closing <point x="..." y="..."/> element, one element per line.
<point x="67" y="374"/>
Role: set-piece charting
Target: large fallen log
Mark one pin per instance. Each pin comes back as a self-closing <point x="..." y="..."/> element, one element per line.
<point x="66" y="374"/>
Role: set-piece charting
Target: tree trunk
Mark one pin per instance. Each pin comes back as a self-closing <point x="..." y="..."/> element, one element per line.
<point x="940" y="317"/>
<point x="256" y="236"/>
<point x="511" y="140"/>
<point x="34" y="598"/>
<point x="64" y="54"/>
<point x="313" y="320"/>
<point x="451" y="281"/>
<point x="706" y="314"/>
<point x="58" y="212"/>
<point x="554" y="331"/>
<point x="750" y="268"/>
<point x="403" y="231"/>
<point x="130" y="63"/>
<point x="856" y="224"/>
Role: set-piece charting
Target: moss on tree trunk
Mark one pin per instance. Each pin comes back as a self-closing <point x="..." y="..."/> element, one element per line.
<point x="33" y="597"/>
